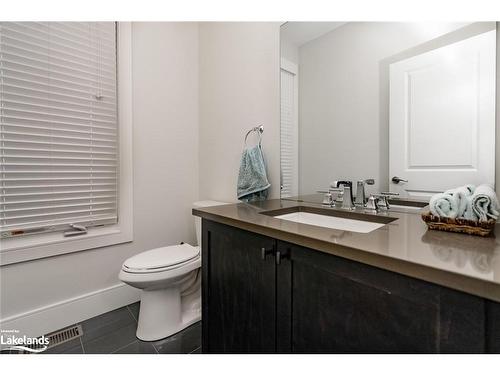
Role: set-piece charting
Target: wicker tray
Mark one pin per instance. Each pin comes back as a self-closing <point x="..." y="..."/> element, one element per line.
<point x="476" y="228"/>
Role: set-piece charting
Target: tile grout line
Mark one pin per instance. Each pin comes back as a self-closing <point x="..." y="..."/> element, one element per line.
<point x="133" y="317"/>
<point x="195" y="350"/>
<point x="154" y="347"/>
<point x="130" y="311"/>
<point x="123" y="347"/>
<point x="81" y="344"/>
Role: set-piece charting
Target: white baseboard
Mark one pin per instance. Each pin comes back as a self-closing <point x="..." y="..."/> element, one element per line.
<point x="50" y="318"/>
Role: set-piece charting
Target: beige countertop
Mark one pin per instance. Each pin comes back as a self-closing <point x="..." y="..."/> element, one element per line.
<point x="462" y="262"/>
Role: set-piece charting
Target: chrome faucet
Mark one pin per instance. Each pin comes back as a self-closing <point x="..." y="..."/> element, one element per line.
<point x="347" y="202"/>
<point x="341" y="192"/>
<point x="361" y="199"/>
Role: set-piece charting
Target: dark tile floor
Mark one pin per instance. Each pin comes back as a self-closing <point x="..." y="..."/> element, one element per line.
<point x="114" y="332"/>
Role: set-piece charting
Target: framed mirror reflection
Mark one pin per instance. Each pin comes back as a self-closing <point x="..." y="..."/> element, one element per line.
<point x="409" y="105"/>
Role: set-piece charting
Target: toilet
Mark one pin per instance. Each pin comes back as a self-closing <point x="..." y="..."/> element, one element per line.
<point x="170" y="280"/>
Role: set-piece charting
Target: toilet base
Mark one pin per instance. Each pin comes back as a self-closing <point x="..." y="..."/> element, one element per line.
<point x="163" y="313"/>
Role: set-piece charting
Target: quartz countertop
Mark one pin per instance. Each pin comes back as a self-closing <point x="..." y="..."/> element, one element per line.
<point x="463" y="262"/>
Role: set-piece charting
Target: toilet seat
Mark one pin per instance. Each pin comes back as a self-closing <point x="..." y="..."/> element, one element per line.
<point x="161" y="259"/>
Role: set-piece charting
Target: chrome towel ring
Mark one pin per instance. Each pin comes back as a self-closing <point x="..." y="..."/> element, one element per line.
<point x="259" y="130"/>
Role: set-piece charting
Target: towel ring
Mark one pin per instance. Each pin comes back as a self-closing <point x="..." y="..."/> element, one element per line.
<point x="259" y="130"/>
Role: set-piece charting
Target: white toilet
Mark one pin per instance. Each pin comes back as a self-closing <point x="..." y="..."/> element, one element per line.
<point x="170" y="279"/>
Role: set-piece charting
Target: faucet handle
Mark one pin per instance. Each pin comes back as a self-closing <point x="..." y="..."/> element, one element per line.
<point x="369" y="181"/>
<point x="387" y="195"/>
<point x="381" y="199"/>
<point x="372" y="203"/>
<point x="328" y="198"/>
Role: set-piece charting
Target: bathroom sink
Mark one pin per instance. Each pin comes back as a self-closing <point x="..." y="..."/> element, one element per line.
<point x="408" y="208"/>
<point x="328" y="218"/>
<point x="407" y="204"/>
<point x="331" y="222"/>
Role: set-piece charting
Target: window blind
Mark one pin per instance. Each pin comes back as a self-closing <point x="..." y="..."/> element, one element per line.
<point x="288" y="148"/>
<point x="58" y="126"/>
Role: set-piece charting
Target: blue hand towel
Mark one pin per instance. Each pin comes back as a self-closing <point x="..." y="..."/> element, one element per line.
<point x="253" y="184"/>
<point x="485" y="203"/>
<point x="444" y="205"/>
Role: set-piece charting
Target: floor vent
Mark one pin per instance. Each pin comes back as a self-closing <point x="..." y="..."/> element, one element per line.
<point x="65" y="335"/>
<point x="55" y="339"/>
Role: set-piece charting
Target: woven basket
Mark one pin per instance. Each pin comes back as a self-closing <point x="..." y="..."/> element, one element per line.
<point x="476" y="228"/>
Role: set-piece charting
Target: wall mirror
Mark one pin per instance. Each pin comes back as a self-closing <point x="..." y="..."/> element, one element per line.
<point x="410" y="105"/>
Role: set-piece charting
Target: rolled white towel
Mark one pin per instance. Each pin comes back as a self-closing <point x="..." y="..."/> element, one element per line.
<point x="469" y="212"/>
<point x="485" y="203"/>
<point x="462" y="194"/>
<point x="444" y="205"/>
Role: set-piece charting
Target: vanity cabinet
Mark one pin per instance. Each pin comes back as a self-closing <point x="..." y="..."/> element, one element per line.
<point x="298" y="300"/>
<point x="493" y="327"/>
<point x="341" y="306"/>
<point x="239" y="291"/>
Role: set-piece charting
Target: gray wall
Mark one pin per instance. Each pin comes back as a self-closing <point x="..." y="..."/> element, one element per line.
<point x="343" y="101"/>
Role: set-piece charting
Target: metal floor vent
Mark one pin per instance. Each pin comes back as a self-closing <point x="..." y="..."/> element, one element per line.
<point x="65" y="335"/>
<point x="55" y="339"/>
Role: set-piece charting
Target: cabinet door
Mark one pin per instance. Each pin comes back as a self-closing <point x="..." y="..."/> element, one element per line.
<point x="493" y="327"/>
<point x="341" y="306"/>
<point x="238" y="291"/>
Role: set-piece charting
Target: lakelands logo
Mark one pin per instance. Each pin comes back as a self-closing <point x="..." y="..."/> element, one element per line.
<point x="11" y="340"/>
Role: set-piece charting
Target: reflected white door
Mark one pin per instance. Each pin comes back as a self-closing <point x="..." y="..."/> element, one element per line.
<point x="289" y="136"/>
<point x="442" y="118"/>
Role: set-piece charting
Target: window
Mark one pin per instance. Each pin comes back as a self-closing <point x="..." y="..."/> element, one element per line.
<point x="59" y="135"/>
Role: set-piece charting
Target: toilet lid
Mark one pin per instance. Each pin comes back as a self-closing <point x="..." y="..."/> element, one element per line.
<point x="162" y="257"/>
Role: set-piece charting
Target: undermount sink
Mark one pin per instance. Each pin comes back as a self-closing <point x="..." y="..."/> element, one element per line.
<point x="328" y="218"/>
<point x="331" y="222"/>
<point x="407" y="204"/>
<point x="408" y="208"/>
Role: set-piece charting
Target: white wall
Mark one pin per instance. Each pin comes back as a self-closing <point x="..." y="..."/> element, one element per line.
<point x="239" y="89"/>
<point x="289" y="51"/>
<point x="165" y="147"/>
<point x="343" y="100"/>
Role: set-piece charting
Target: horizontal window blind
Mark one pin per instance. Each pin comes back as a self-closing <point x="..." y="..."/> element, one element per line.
<point x="58" y="126"/>
<point x="288" y="147"/>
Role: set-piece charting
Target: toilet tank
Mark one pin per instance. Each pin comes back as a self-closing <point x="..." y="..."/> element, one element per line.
<point x="197" y="220"/>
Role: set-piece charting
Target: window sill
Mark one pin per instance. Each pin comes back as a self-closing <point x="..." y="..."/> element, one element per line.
<point x="21" y="249"/>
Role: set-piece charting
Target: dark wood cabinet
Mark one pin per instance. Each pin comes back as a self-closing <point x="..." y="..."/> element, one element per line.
<point x="300" y="300"/>
<point x="239" y="291"/>
<point x="341" y="306"/>
<point x="493" y="327"/>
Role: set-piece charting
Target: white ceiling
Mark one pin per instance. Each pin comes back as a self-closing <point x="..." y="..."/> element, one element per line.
<point x="299" y="33"/>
